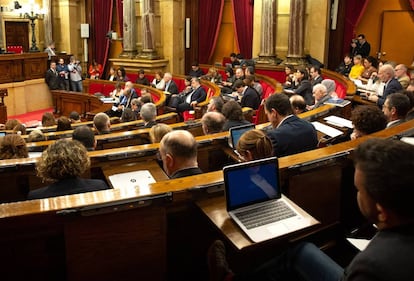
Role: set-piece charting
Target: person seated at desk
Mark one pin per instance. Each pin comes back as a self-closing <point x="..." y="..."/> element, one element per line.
<point x="395" y="109"/>
<point x="213" y="76"/>
<point x="298" y="104"/>
<point x="320" y="93"/>
<point x="158" y="82"/>
<point x="85" y="136"/>
<point x="191" y="99"/>
<point x="178" y="152"/>
<point x="253" y="145"/>
<point x="112" y="74"/>
<point x="195" y="71"/>
<point x="157" y="132"/>
<point x="48" y="119"/>
<point x="345" y="67"/>
<point x="63" y="124"/>
<point x="370" y="66"/>
<point x="142" y="79"/>
<point x="102" y="123"/>
<point x="248" y="96"/>
<point x="121" y="75"/>
<point x="315" y="74"/>
<point x="128" y="115"/>
<point x="212" y="122"/>
<point x="304" y="87"/>
<point x="63" y="163"/>
<point x="74" y="117"/>
<point x="36" y="135"/>
<point x="401" y="75"/>
<point x="95" y="70"/>
<point x="215" y="104"/>
<point x="387" y="75"/>
<point x="410" y="113"/>
<point x="357" y="69"/>
<point x="367" y="119"/>
<point x="289" y="134"/>
<point x="13" y="146"/>
<point x="234" y="115"/>
<point x="149" y="114"/>
<point x="383" y="179"/>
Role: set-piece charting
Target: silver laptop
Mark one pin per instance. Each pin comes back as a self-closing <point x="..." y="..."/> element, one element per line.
<point x="237" y="132"/>
<point x="254" y="201"/>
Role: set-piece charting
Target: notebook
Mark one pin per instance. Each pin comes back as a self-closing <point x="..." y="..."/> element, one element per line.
<point x="137" y="179"/>
<point x="254" y="201"/>
<point x="237" y="132"/>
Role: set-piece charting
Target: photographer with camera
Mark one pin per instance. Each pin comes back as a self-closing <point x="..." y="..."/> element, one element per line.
<point x="75" y="74"/>
<point x="360" y="46"/>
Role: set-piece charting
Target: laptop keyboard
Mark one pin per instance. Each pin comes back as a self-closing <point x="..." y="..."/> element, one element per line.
<point x="271" y="212"/>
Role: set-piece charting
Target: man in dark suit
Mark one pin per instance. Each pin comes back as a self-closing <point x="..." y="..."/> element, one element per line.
<point x="148" y="114"/>
<point x="395" y="109"/>
<point x="52" y="77"/>
<point x="170" y="85"/>
<point x="360" y="46"/>
<point x="289" y="134"/>
<point x="63" y="163"/>
<point x="249" y="96"/>
<point x="387" y="75"/>
<point x="178" y="152"/>
<point x="192" y="99"/>
<point x="315" y="73"/>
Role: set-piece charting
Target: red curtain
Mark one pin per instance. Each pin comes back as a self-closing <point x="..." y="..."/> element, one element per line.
<point x="120" y="12"/>
<point x="355" y="10"/>
<point x="102" y="16"/>
<point x="243" y="22"/>
<point x="209" y="25"/>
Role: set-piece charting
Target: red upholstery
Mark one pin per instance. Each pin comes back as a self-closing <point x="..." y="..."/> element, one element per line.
<point x="226" y="60"/>
<point x="107" y="89"/>
<point x="278" y="75"/>
<point x="96" y="88"/>
<point x="132" y="77"/>
<point x="340" y="90"/>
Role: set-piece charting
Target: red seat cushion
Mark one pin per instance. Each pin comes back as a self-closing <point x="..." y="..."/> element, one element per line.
<point x="95" y="88"/>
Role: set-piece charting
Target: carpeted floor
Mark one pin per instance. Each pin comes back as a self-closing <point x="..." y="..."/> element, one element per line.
<point x="31" y="119"/>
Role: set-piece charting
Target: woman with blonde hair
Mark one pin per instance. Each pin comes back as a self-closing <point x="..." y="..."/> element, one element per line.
<point x="13" y="146"/>
<point x="63" y="163"/>
<point x="158" y="131"/>
<point x="253" y="145"/>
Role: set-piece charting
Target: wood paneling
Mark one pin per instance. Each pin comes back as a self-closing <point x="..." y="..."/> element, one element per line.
<point x="17" y="34"/>
<point x="20" y="67"/>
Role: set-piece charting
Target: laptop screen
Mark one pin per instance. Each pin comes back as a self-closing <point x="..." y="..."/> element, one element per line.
<point x="251" y="182"/>
<point x="237" y="132"/>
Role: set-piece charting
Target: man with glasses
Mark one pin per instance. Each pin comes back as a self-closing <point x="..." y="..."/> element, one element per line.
<point x="401" y="75"/>
<point x="395" y="109"/>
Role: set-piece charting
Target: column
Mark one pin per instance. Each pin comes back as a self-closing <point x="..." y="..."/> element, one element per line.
<point x="267" y="32"/>
<point x="129" y="30"/>
<point x="296" y="41"/>
<point x="148" y="34"/>
<point x="47" y="21"/>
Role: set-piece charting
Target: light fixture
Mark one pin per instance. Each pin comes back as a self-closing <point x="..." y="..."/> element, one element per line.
<point x="33" y="12"/>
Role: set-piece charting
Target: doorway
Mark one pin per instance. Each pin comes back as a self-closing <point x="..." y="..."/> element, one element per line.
<point x="17" y="34"/>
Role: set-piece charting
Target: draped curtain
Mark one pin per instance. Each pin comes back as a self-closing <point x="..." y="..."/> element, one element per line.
<point x="355" y="10"/>
<point x="243" y="22"/>
<point x="120" y="14"/>
<point x="412" y="4"/>
<point x="102" y="16"/>
<point x="209" y="25"/>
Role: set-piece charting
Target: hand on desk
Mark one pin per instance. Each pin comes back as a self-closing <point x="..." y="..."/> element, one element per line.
<point x="373" y="98"/>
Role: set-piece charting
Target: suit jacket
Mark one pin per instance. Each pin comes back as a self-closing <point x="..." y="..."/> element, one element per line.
<point x="318" y="80"/>
<point x="186" y="173"/>
<point x="52" y="79"/>
<point x="293" y="136"/>
<point x="392" y="87"/>
<point x="199" y="95"/>
<point x="305" y="90"/>
<point x="68" y="186"/>
<point x="250" y="98"/>
<point x="171" y="87"/>
<point x="150" y="124"/>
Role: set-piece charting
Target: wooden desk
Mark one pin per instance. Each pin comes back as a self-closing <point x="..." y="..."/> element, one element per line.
<point x="215" y="210"/>
<point x="359" y="100"/>
<point x="20" y="67"/>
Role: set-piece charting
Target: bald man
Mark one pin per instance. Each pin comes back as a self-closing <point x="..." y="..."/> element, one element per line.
<point x="387" y="75"/>
<point x="178" y="151"/>
<point x="212" y="122"/>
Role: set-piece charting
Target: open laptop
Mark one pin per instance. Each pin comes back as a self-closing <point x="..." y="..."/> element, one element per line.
<point x="254" y="201"/>
<point x="237" y="132"/>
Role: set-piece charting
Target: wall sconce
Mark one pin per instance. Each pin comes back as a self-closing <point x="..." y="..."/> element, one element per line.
<point x="33" y="12"/>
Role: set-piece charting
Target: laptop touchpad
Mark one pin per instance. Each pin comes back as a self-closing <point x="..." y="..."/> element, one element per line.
<point x="278" y="228"/>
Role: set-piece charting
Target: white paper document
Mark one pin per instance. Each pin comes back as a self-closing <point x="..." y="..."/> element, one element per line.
<point x="339" y="121"/>
<point x="360" y="244"/>
<point x="136" y="179"/>
<point x="332" y="132"/>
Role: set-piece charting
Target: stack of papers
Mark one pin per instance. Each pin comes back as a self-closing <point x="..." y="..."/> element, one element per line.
<point x="339" y="121"/>
<point x="332" y="132"/>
